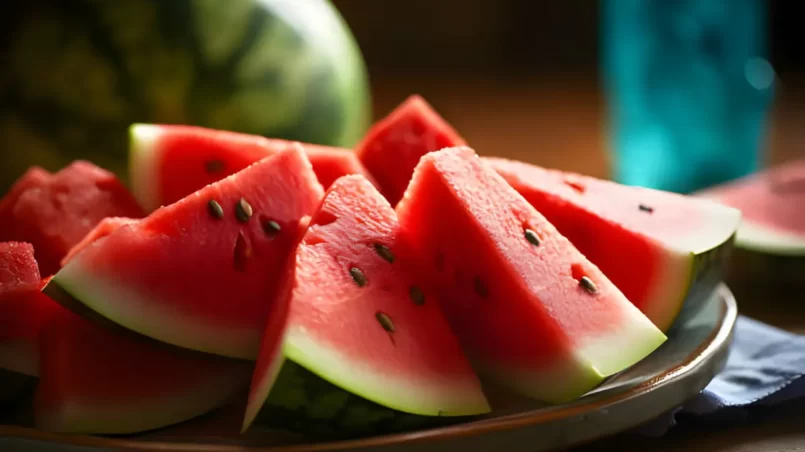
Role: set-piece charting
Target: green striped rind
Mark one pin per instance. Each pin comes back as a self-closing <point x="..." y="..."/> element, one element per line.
<point x="83" y="72"/>
<point x="142" y="167"/>
<point x="304" y="403"/>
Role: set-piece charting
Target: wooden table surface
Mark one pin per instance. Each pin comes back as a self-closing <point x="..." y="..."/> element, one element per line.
<point x="561" y="123"/>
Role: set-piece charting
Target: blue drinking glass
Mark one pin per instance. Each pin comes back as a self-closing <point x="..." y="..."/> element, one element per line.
<point x="688" y="86"/>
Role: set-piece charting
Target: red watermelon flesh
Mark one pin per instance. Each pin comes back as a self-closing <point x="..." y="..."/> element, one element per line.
<point x="201" y="273"/>
<point x="393" y="146"/>
<point x="34" y="177"/>
<point x="168" y="162"/>
<point x="23" y="308"/>
<point x="19" y="272"/>
<point x="771" y="203"/>
<point x="361" y="318"/>
<point x="530" y="310"/>
<point x="54" y="213"/>
<point x="104" y="228"/>
<point x="647" y="242"/>
<point x="94" y="381"/>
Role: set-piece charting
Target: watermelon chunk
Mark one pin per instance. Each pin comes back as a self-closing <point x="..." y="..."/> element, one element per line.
<point x="104" y="228"/>
<point x="94" y="381"/>
<point x="19" y="272"/>
<point x="771" y="202"/>
<point x="23" y="308"/>
<point x="362" y="320"/>
<point x="53" y="213"/>
<point x="393" y="146"/>
<point x="659" y="248"/>
<point x="200" y="273"/>
<point x="34" y="177"/>
<point x="169" y="162"/>
<point x="530" y="310"/>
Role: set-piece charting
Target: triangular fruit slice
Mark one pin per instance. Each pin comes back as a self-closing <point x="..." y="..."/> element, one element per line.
<point x="530" y="310"/>
<point x="393" y="146"/>
<point x="772" y="203"/>
<point x="200" y="273"/>
<point x="55" y="212"/>
<point x="363" y="321"/>
<point x="659" y="248"/>
<point x="95" y="381"/>
<point x="168" y="162"/>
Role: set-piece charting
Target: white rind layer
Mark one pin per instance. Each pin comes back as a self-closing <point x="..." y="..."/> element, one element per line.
<point x="450" y="396"/>
<point x="142" y="165"/>
<point x="154" y="319"/>
<point x="754" y="237"/>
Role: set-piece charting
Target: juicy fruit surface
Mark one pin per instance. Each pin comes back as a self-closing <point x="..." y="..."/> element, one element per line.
<point x="270" y="67"/>
<point x="196" y="274"/>
<point x="96" y="381"/>
<point x="362" y="321"/>
<point x="520" y="309"/>
<point x="169" y="162"/>
<point x="645" y="242"/>
<point x="393" y="146"/>
<point x="19" y="272"/>
<point x="55" y="212"/>
<point x="104" y="228"/>
<point x="771" y="203"/>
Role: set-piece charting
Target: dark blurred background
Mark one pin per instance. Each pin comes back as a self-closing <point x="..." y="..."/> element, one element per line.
<point x="520" y="78"/>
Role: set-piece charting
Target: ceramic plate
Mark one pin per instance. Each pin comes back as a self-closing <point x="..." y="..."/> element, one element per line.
<point x="696" y="350"/>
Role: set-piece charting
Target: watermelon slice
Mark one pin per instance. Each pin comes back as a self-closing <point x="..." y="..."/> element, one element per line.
<point x="55" y="212"/>
<point x="659" y="248"/>
<point x="530" y="310"/>
<point x="200" y="273"/>
<point x="393" y="146"/>
<point x="97" y="382"/>
<point x="168" y="162"/>
<point x="363" y="321"/>
<point x="19" y="272"/>
<point x="104" y="228"/>
<point x="771" y="203"/>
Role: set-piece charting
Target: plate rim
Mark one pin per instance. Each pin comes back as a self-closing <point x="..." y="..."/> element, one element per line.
<point x="698" y="358"/>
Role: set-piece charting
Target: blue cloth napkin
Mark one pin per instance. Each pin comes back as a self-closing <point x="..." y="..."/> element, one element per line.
<point x="764" y="367"/>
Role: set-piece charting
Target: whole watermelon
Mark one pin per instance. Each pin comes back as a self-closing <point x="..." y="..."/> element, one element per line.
<point x="76" y="74"/>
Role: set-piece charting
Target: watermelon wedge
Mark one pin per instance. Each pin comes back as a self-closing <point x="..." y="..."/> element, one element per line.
<point x="659" y="248"/>
<point x="771" y="203"/>
<point x="94" y="381"/>
<point x="200" y="273"/>
<point x="530" y="310"/>
<point x="362" y="320"/>
<point x="169" y="162"/>
<point x="393" y="146"/>
<point x="54" y="212"/>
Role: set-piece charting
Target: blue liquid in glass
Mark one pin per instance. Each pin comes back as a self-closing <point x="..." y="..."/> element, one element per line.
<point x="688" y="87"/>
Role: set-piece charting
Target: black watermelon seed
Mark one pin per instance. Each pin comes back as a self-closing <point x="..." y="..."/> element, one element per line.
<point x="271" y="227"/>
<point x="243" y="210"/>
<point x="385" y="321"/>
<point x="215" y="209"/>
<point x="417" y="296"/>
<point x="214" y="166"/>
<point x="588" y="284"/>
<point x="532" y="237"/>
<point x="646" y="208"/>
<point x="357" y="276"/>
<point x="384" y="252"/>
